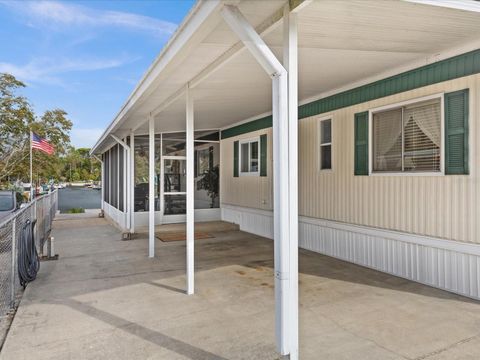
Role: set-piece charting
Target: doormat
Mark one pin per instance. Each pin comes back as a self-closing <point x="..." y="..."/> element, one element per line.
<point x="181" y="236"/>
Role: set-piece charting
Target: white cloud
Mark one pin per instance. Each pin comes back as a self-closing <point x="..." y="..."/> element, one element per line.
<point x="45" y="70"/>
<point x="85" y="137"/>
<point x="48" y="13"/>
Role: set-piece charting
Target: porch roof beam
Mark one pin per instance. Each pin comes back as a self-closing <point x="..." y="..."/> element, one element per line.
<point x="252" y="40"/>
<point x="121" y="142"/>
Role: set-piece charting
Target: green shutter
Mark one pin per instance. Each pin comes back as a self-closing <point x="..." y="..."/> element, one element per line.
<point x="456" y="132"/>
<point x="235" y="159"/>
<point x="361" y="143"/>
<point x="263" y="155"/>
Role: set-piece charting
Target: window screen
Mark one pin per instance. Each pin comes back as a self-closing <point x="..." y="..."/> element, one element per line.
<point x="120" y="178"/>
<point x="408" y="138"/>
<point x="106" y="177"/>
<point x="422" y="137"/>
<point x="114" y="178"/>
<point x="326" y="144"/>
<point x="387" y="140"/>
<point x="254" y="156"/>
<point x="249" y="157"/>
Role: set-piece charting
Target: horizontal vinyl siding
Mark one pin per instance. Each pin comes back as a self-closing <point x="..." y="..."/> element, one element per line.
<point x="437" y="206"/>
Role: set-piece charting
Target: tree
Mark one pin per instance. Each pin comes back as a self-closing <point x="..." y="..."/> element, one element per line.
<point x="16" y="118"/>
<point x="78" y="165"/>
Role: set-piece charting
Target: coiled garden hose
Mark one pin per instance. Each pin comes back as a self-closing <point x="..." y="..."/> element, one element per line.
<point x="28" y="259"/>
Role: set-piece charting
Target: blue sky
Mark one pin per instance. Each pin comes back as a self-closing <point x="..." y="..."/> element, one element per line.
<point x="84" y="56"/>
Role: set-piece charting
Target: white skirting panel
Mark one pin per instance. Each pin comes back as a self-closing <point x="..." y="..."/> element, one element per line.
<point x="258" y="222"/>
<point x="445" y="264"/>
<point x="117" y="216"/>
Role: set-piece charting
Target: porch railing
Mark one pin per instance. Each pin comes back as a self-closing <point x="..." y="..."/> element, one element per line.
<point x="42" y="209"/>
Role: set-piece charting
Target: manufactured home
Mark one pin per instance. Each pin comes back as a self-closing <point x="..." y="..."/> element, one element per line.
<point x="348" y="128"/>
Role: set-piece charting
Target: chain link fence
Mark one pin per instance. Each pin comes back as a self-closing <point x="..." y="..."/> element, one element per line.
<point x="42" y="209"/>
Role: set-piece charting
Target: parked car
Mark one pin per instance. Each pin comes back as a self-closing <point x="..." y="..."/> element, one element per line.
<point x="8" y="203"/>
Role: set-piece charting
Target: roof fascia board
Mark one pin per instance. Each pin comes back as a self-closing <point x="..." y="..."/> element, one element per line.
<point x="466" y="5"/>
<point x="451" y="69"/>
<point x="196" y="17"/>
<point x="466" y="48"/>
<point x="427" y="59"/>
<point x="263" y="29"/>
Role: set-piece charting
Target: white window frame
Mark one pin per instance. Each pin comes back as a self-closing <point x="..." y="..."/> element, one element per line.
<point x="401" y="104"/>
<point x="319" y="148"/>
<point x="248" y="141"/>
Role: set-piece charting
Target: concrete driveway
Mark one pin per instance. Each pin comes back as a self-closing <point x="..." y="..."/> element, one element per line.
<point x="104" y="299"/>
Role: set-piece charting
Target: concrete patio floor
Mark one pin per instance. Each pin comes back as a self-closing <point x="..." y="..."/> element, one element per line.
<point x="104" y="299"/>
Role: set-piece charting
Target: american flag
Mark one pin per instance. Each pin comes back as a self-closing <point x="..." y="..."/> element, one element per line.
<point x="42" y="144"/>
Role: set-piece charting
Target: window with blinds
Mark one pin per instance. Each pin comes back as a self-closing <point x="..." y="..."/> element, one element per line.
<point x="407" y="138"/>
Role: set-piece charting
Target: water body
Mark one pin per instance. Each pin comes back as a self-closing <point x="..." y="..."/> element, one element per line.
<point x="78" y="197"/>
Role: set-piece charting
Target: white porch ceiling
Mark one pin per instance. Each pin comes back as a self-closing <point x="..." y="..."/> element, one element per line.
<point x="340" y="43"/>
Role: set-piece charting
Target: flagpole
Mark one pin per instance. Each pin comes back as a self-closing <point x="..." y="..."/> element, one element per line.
<point x="31" y="168"/>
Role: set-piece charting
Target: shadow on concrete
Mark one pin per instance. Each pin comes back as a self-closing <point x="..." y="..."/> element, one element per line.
<point x="154" y="337"/>
<point x="167" y="287"/>
<point x="226" y="249"/>
<point x="322" y="266"/>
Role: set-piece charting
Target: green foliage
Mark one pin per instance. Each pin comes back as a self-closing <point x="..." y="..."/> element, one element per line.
<point x="16" y="118"/>
<point x="76" y="211"/>
<point x="79" y="166"/>
<point x="210" y="183"/>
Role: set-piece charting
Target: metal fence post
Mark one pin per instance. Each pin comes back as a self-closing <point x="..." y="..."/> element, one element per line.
<point x="14" y="258"/>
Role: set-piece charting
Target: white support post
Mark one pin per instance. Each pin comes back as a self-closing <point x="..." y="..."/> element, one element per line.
<point x="281" y="156"/>
<point x="151" y="187"/>
<point x="132" y="182"/>
<point x="281" y="211"/>
<point x="290" y="62"/>
<point x="190" y="192"/>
